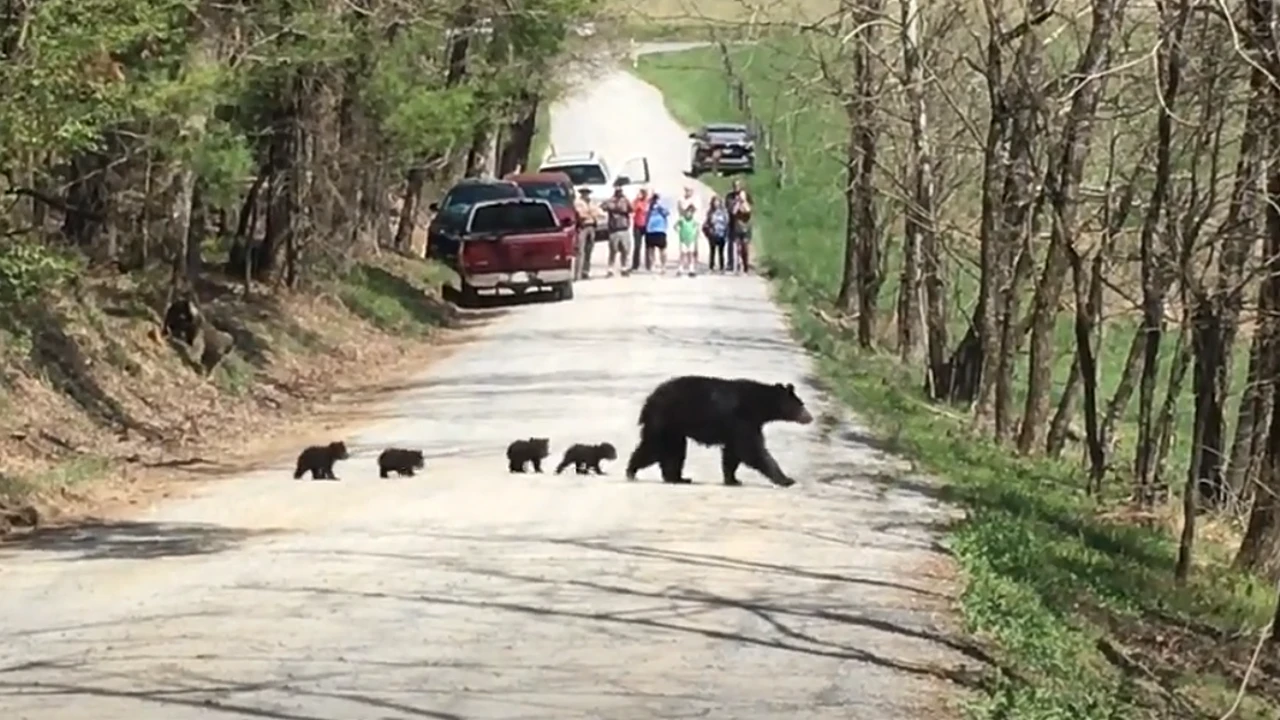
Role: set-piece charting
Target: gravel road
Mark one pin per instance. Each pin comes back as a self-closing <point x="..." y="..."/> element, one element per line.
<point x="470" y="593"/>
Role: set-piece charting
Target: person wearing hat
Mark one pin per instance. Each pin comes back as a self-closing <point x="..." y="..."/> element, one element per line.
<point x="589" y="215"/>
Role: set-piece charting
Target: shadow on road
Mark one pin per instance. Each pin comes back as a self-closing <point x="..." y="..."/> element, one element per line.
<point x="782" y="620"/>
<point x="132" y="540"/>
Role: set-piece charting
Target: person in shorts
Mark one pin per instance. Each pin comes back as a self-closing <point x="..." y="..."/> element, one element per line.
<point x="655" y="232"/>
<point x="617" y="210"/>
<point x="687" y="236"/>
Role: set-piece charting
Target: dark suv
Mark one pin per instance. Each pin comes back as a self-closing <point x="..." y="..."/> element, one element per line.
<point x="451" y="212"/>
<point x="725" y="148"/>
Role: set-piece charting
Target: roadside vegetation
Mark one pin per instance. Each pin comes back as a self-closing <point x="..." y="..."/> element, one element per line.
<point x="272" y="161"/>
<point x="1068" y="359"/>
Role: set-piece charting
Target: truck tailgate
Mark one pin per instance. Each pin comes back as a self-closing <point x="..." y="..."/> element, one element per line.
<point x="514" y="253"/>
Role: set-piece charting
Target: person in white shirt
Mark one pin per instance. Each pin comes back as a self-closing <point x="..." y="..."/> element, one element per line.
<point x="687" y="207"/>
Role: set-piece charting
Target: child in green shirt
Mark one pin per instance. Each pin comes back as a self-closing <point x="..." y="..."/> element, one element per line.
<point x="687" y="233"/>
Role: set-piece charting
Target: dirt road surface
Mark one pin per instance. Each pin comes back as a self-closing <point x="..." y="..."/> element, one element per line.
<point x="470" y="593"/>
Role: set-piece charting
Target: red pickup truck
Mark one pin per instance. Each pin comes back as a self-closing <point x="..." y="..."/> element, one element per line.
<point x="514" y="244"/>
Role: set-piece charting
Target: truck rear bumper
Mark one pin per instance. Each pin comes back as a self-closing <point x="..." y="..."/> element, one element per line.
<point x="520" y="280"/>
<point x="728" y="163"/>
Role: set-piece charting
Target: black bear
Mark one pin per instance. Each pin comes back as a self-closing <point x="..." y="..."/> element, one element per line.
<point x="182" y="320"/>
<point x="586" y="458"/>
<point x="319" y="459"/>
<point x="524" y="452"/>
<point x="399" y="461"/>
<point x="713" y="412"/>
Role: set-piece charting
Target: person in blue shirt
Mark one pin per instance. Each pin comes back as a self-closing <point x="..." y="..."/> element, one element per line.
<point x="655" y="232"/>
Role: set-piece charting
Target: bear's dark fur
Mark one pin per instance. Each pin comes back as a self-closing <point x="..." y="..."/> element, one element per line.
<point x="524" y="452"/>
<point x="400" y="461"/>
<point x="711" y="411"/>
<point x="319" y="459"/>
<point x="586" y="458"/>
<point x="182" y="320"/>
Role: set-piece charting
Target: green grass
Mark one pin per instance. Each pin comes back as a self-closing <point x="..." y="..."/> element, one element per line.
<point x="393" y="295"/>
<point x="1045" y="575"/>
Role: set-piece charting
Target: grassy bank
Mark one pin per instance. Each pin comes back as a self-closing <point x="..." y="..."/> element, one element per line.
<point x="1081" y="607"/>
<point x="91" y="396"/>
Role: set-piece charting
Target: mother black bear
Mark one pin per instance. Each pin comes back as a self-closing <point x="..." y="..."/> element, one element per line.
<point x="713" y="412"/>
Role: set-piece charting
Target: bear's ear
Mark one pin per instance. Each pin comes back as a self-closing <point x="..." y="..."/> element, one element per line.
<point x="791" y="388"/>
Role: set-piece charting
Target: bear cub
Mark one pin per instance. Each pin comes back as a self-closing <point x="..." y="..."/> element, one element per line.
<point x="400" y="461"/>
<point x="319" y="460"/>
<point x="585" y="458"/>
<point x="525" y="452"/>
<point x="714" y="412"/>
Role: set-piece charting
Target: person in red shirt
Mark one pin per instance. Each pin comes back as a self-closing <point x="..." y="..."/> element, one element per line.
<point x="639" y="216"/>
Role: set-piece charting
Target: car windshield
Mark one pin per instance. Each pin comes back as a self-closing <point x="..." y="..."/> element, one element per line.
<point x="554" y="193"/>
<point x="464" y="196"/>
<point x="515" y="217"/>
<point x="588" y="174"/>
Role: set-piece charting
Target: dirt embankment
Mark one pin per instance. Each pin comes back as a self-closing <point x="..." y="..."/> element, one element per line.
<point x="98" y="413"/>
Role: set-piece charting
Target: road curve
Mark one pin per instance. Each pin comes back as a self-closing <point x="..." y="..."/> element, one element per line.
<point x="470" y="593"/>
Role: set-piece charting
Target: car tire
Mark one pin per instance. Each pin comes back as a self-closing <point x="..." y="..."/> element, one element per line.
<point x="564" y="291"/>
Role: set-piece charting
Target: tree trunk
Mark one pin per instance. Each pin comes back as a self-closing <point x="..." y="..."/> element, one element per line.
<point x="1060" y="426"/>
<point x="1260" y="548"/>
<point x="197" y="230"/>
<point x="459" y="47"/>
<point x="87" y="199"/>
<point x="282" y="183"/>
<point x="1063" y="199"/>
<point x="1086" y="310"/>
<point x="1242" y="235"/>
<point x="1162" y="433"/>
<point x="1251" y="422"/>
<point x="865" y="236"/>
<point x="978" y="365"/>
<point x="918" y="219"/>
<point x="1009" y="194"/>
<point x="1114" y="220"/>
<point x="1128" y="382"/>
<point x="514" y="150"/>
<point x="1169" y="56"/>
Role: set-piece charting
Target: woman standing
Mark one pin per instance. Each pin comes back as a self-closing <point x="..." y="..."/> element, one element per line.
<point x="716" y="228"/>
<point x="739" y="202"/>
<point x="655" y="233"/>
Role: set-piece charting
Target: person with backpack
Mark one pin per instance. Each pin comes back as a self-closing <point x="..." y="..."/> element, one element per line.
<point x="655" y="233"/>
<point x="716" y="228"/>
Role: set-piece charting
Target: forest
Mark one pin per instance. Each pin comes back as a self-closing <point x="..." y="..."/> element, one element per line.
<point x="273" y="162"/>
<point x="1036" y="241"/>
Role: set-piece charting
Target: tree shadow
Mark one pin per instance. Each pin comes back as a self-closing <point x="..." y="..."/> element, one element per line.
<point x="133" y="540"/>
<point x="57" y="356"/>
<point x="180" y="697"/>
<point x="785" y="637"/>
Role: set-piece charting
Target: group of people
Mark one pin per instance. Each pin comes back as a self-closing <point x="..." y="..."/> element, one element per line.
<point x="640" y="228"/>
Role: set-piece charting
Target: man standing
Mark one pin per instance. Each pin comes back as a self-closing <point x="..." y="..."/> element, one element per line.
<point x="639" y="217"/>
<point x="617" y="210"/>
<point x="588" y="217"/>
<point x="738" y="202"/>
